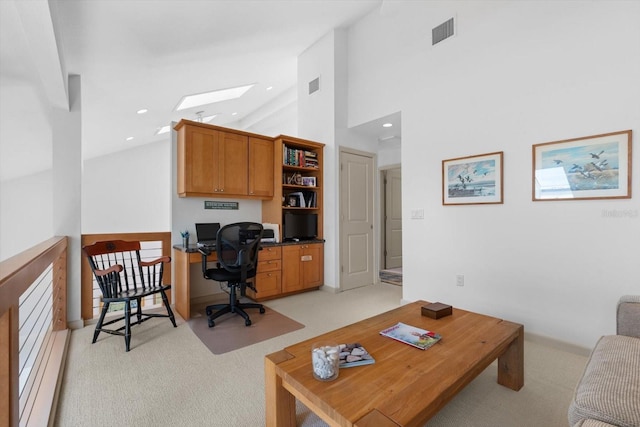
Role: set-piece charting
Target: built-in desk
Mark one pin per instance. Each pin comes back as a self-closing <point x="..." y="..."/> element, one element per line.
<point x="291" y="267"/>
<point x="182" y="260"/>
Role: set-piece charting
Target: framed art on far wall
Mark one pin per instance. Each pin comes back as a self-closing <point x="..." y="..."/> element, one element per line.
<point x="472" y="180"/>
<point x="590" y="167"/>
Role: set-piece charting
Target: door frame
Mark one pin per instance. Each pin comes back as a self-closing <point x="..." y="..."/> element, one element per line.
<point x="381" y="211"/>
<point x="376" y="217"/>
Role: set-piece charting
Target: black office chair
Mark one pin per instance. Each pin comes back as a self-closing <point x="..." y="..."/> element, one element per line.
<point x="237" y="247"/>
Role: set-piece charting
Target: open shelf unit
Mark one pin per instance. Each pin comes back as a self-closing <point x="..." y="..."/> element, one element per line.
<point x="298" y="161"/>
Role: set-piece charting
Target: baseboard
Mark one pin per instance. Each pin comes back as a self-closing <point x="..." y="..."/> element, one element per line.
<point x="329" y="289"/>
<point x="63" y="363"/>
<point x="76" y="324"/>
<point x="557" y="344"/>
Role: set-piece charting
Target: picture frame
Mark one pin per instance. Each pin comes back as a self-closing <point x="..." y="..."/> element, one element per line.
<point x="309" y="181"/>
<point x="294" y="202"/>
<point x="585" y="168"/>
<point x="473" y="180"/>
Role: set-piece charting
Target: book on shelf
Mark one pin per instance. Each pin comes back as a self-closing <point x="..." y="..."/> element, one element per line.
<point x="300" y="158"/>
<point x="411" y="335"/>
<point x="310" y="197"/>
<point x="354" y="354"/>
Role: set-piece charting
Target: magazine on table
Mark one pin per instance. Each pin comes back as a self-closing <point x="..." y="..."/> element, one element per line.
<point x="411" y="335"/>
<point x="354" y="355"/>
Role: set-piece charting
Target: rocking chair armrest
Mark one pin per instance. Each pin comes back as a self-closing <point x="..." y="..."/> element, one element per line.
<point x="116" y="268"/>
<point x="155" y="261"/>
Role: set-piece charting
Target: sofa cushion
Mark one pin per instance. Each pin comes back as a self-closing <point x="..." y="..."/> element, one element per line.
<point x="609" y="389"/>
<point x="628" y="316"/>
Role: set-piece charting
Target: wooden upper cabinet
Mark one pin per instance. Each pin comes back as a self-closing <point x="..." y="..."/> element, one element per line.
<point x="221" y="162"/>
<point x="261" y="167"/>
<point x="197" y="149"/>
<point x="233" y="169"/>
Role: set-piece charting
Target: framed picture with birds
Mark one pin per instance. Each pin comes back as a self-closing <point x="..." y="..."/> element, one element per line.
<point x="591" y="167"/>
<point x="472" y="180"/>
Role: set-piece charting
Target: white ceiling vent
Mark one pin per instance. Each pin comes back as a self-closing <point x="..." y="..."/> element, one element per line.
<point x="442" y="31"/>
<point x="314" y="85"/>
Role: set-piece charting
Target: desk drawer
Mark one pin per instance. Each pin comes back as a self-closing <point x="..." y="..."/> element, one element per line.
<point x="269" y="265"/>
<point x="196" y="257"/>
<point x="267" y="284"/>
<point x="270" y="252"/>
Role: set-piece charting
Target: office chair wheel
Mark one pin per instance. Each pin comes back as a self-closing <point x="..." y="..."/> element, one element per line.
<point x="247" y="322"/>
<point x="261" y="310"/>
<point x="211" y="323"/>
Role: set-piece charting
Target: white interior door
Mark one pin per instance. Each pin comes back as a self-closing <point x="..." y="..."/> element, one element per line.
<point x="393" y="218"/>
<point x="356" y="220"/>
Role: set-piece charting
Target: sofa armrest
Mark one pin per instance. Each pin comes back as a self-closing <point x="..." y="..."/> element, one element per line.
<point x="628" y="316"/>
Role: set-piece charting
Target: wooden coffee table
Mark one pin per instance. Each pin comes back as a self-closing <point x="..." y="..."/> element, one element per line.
<point x="406" y="386"/>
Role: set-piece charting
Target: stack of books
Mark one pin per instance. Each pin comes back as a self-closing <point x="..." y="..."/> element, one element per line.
<point x="300" y="158"/>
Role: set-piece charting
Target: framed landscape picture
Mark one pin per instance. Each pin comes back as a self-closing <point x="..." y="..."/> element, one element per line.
<point x="472" y="180"/>
<point x="591" y="167"/>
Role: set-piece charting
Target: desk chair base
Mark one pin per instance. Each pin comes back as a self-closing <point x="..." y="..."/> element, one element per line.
<point x="234" y="306"/>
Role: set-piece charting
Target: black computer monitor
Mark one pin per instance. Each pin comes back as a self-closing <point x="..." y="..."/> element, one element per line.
<point x="299" y="226"/>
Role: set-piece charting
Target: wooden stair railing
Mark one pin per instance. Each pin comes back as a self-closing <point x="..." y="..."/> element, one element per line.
<point x="17" y="274"/>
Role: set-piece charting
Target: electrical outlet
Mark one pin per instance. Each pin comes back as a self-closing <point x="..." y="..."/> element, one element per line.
<point x="459" y="279"/>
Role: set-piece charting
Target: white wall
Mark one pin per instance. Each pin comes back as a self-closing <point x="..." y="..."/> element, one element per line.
<point x="317" y="122"/>
<point x="389" y="153"/>
<point x="128" y="191"/>
<point x="26" y="212"/>
<point x="278" y="117"/>
<point x="516" y="74"/>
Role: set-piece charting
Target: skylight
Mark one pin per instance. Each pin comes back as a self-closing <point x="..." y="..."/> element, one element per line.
<point x="191" y="101"/>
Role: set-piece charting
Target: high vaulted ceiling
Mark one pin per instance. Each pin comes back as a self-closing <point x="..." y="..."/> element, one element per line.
<point x="135" y="54"/>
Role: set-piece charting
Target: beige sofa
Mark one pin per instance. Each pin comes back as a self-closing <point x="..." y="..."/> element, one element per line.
<point x="608" y="394"/>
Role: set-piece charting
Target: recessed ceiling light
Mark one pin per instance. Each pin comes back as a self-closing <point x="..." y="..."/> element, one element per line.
<point x="387" y="125"/>
<point x="234" y="114"/>
<point x="142" y="111"/>
<point x="191" y="101"/>
<point x="129" y="138"/>
<point x="163" y="129"/>
<point x="270" y="87"/>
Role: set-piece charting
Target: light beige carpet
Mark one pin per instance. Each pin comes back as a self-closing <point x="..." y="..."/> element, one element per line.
<point x="169" y="378"/>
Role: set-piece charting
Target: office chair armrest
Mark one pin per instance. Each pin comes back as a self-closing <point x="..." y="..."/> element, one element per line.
<point x="155" y="261"/>
<point x="117" y="268"/>
<point x="205" y="253"/>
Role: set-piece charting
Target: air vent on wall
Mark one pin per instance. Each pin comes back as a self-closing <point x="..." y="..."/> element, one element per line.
<point x="314" y="85"/>
<point x="442" y="31"/>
